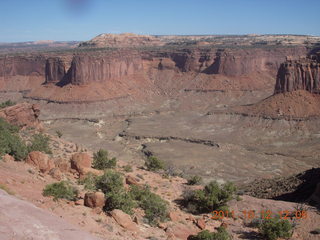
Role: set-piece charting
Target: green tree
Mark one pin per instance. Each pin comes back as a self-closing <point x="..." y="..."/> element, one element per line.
<point x="101" y="160"/>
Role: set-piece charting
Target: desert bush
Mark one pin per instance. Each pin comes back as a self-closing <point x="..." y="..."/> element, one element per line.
<point x="40" y="143"/>
<point x="10" y="141"/>
<point x="212" y="197"/>
<point x="110" y="181"/>
<point x="221" y="234"/>
<point x="154" y="164"/>
<point x="61" y="189"/>
<point x="154" y="206"/>
<point x="194" y="180"/>
<point x="89" y="182"/>
<point x="127" y="168"/>
<point x="101" y="160"/>
<point x="274" y="228"/>
<point x="111" y="184"/>
<point x="7" y="104"/>
<point x="120" y="200"/>
<point x="6" y="189"/>
<point x="59" y="133"/>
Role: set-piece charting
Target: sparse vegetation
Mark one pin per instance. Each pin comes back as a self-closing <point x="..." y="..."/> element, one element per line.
<point x="7" y="104"/>
<point x="10" y="141"/>
<point x="61" y="190"/>
<point x="120" y="200"/>
<point x="6" y="189"/>
<point x="101" y="160"/>
<point x="89" y="182"/>
<point x="195" y="180"/>
<point x="154" y="206"/>
<point x="127" y="168"/>
<point x="40" y="143"/>
<point x="59" y="133"/>
<point x="111" y="184"/>
<point x="212" y="197"/>
<point x="275" y="228"/>
<point x="154" y="164"/>
<point x="221" y="234"/>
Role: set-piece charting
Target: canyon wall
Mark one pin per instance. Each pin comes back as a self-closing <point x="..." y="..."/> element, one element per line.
<point x="85" y="68"/>
<point x="303" y="74"/>
<point x="96" y="66"/>
<point x="230" y="62"/>
<point x="22" y="66"/>
<point x="55" y="70"/>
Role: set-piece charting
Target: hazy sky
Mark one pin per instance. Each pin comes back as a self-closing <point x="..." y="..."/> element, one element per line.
<point x="30" y="20"/>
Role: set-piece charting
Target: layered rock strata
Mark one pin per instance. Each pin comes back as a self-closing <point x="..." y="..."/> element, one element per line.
<point x="303" y="74"/>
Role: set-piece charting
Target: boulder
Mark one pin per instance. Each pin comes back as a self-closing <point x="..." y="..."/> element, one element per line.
<point x="7" y="158"/>
<point x="41" y="161"/>
<point x="201" y="223"/>
<point x="94" y="200"/>
<point x="80" y="162"/>
<point x="174" y="216"/>
<point x="56" y="174"/>
<point x="62" y="164"/>
<point x="22" y="115"/>
<point x="181" y="231"/>
<point x="124" y="220"/>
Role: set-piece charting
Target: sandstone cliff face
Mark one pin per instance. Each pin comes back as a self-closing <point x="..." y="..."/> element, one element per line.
<point x="237" y="62"/>
<point x="85" y="69"/>
<point x="303" y="74"/>
<point x="229" y="62"/>
<point x="23" y="66"/>
<point x="55" y="70"/>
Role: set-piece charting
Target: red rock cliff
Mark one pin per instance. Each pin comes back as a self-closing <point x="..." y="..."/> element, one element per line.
<point x="85" y="68"/>
<point x="303" y="74"/>
<point x="23" y="66"/>
<point x="55" y="70"/>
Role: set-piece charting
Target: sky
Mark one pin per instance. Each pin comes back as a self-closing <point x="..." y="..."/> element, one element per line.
<point x="79" y="20"/>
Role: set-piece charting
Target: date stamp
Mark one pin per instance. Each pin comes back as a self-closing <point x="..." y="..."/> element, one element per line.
<point x="263" y="214"/>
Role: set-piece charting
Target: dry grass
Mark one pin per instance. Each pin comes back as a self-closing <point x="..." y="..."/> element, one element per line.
<point x="6" y="189"/>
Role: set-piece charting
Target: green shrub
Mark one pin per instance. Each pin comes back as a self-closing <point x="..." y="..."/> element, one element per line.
<point x="127" y="168"/>
<point x="154" y="206"/>
<point x="111" y="184"/>
<point x="7" y="104"/>
<point x="110" y="181"/>
<point x="221" y="234"/>
<point x="120" y="200"/>
<point x="10" y="141"/>
<point x="59" y="134"/>
<point x="195" y="180"/>
<point x="212" y="197"/>
<point x="154" y="164"/>
<point x="89" y="182"/>
<point x="274" y="228"/>
<point x="40" y="143"/>
<point x="101" y="160"/>
<point x="61" y="190"/>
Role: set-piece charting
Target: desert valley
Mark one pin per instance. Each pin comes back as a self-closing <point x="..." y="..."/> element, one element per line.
<point x="240" y="109"/>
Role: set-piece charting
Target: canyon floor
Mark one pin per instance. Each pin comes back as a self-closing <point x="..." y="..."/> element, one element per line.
<point x="195" y="133"/>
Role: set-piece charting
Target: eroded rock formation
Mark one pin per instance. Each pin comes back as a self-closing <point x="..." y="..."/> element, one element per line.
<point x="22" y="115"/>
<point x="85" y="69"/>
<point x="23" y="66"/>
<point x="55" y="70"/>
<point x="303" y="74"/>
